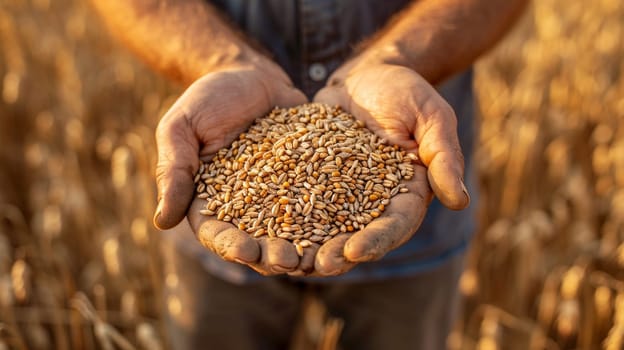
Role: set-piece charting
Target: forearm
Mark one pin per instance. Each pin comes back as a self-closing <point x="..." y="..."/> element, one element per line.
<point x="440" y="38"/>
<point x="183" y="39"/>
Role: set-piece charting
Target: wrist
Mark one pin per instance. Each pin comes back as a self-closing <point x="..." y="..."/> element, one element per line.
<point x="387" y="55"/>
<point x="253" y="61"/>
<point x="384" y="53"/>
<point x="391" y="53"/>
<point x="266" y="77"/>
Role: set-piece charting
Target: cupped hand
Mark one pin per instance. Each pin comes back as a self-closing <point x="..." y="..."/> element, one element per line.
<point x="399" y="105"/>
<point x="209" y="115"/>
<point x="266" y="255"/>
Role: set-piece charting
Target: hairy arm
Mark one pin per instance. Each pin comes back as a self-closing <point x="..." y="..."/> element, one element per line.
<point x="388" y="85"/>
<point x="183" y="39"/>
<point x="229" y="85"/>
<point x="442" y="37"/>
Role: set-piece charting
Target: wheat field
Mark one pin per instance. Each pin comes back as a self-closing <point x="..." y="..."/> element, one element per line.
<point x="79" y="259"/>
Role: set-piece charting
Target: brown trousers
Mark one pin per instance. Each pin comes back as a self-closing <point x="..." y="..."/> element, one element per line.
<point x="205" y="312"/>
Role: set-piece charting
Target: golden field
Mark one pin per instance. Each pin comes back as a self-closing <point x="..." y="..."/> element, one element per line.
<point x="79" y="258"/>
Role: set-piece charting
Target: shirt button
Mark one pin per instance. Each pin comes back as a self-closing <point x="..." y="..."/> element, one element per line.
<point x="317" y="72"/>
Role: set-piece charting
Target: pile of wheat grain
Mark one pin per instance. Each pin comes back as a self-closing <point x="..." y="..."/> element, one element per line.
<point x="303" y="174"/>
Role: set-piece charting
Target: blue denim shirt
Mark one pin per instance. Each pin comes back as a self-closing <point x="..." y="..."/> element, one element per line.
<point x="310" y="39"/>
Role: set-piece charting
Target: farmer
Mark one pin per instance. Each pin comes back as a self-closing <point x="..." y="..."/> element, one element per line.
<point x="396" y="288"/>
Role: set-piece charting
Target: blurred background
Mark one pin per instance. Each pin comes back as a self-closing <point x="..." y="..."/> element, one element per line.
<point x="79" y="258"/>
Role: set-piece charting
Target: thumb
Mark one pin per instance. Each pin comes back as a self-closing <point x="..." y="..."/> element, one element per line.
<point x="177" y="164"/>
<point x="289" y="97"/>
<point x="332" y="96"/>
<point x="440" y="151"/>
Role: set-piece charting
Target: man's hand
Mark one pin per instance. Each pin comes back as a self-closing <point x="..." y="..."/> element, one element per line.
<point x="210" y="114"/>
<point x="268" y="256"/>
<point x="187" y="40"/>
<point x="399" y="105"/>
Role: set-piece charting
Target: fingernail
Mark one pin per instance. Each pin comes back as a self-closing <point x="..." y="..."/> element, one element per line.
<point x="243" y="262"/>
<point x="157" y="215"/>
<point x="331" y="272"/>
<point x="363" y="258"/>
<point x="280" y="269"/>
<point x="464" y="189"/>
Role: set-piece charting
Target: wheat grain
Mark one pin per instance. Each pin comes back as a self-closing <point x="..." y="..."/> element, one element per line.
<point x="313" y="165"/>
